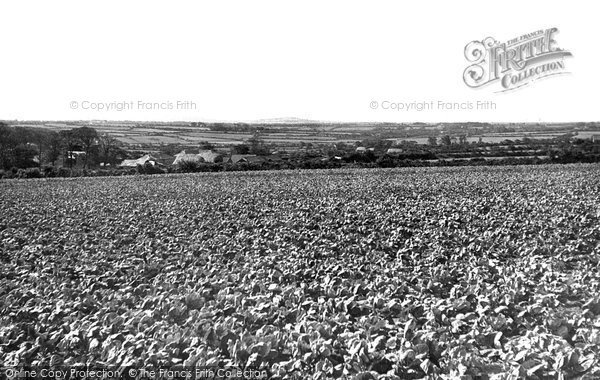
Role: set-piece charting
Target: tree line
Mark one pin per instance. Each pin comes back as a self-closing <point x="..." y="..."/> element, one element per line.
<point x="26" y="147"/>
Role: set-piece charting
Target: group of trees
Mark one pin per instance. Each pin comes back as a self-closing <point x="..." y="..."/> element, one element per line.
<point x="447" y="140"/>
<point x="254" y="145"/>
<point x="23" y="147"/>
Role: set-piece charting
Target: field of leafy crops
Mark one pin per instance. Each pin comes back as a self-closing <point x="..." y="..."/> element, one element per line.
<point x="403" y="273"/>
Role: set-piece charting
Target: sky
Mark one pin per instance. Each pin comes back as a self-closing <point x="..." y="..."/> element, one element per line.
<point x="319" y="60"/>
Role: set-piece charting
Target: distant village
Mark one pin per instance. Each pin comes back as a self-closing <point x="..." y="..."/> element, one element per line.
<point x="38" y="152"/>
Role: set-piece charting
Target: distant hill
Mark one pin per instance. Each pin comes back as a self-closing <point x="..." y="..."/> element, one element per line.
<point x="286" y="120"/>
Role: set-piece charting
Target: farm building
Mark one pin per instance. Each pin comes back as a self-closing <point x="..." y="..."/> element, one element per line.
<point x="274" y="158"/>
<point x="361" y="149"/>
<point x="201" y="156"/>
<point x="185" y="157"/>
<point x="146" y="159"/>
<point x="209" y="155"/>
<point x="75" y="154"/>
<point x="392" y="151"/>
<point x="253" y="159"/>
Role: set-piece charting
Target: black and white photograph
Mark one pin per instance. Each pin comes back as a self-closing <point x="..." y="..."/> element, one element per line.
<point x="337" y="189"/>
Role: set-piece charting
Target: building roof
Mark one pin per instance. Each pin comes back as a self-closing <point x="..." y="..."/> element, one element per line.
<point x="394" y="151"/>
<point x="253" y="159"/>
<point x="139" y="161"/>
<point x="240" y="157"/>
<point x="76" y="153"/>
<point x="208" y="155"/>
<point x="185" y="157"/>
<point x="129" y="163"/>
<point x="203" y="155"/>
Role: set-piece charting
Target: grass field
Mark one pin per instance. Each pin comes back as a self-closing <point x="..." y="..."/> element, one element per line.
<point x="403" y="273"/>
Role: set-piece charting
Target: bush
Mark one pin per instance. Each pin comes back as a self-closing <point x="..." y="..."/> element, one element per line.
<point x="149" y="169"/>
<point x="386" y="161"/>
<point x="29" y="173"/>
<point x="153" y="169"/>
<point x="188" y="166"/>
<point x="33" y="173"/>
<point x="105" y="173"/>
<point x="63" y="172"/>
<point x="49" y="171"/>
<point x="12" y="173"/>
